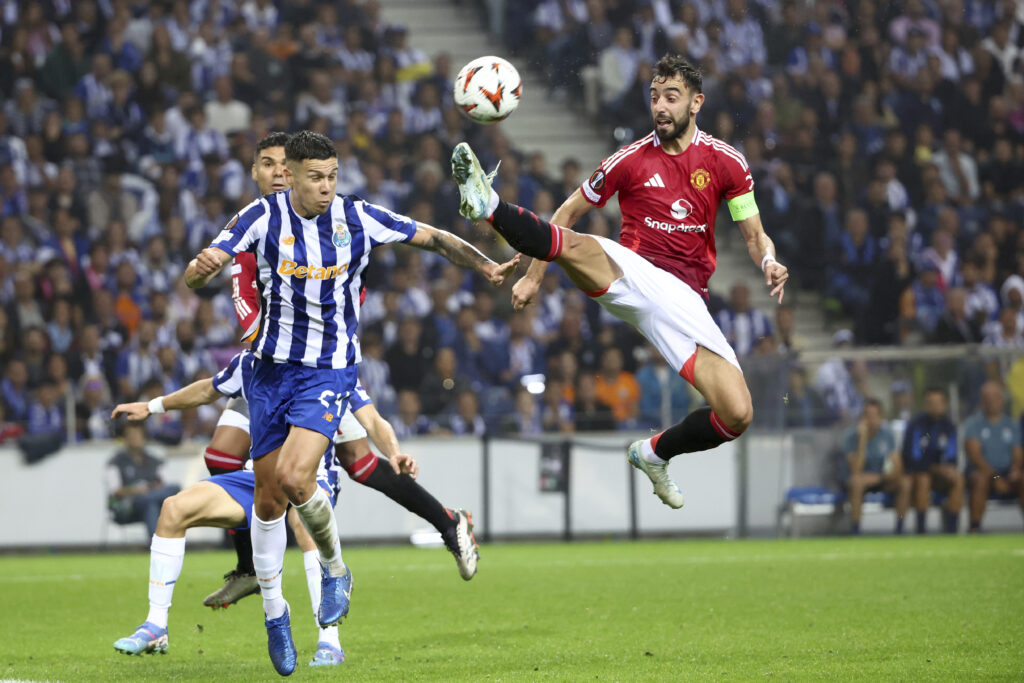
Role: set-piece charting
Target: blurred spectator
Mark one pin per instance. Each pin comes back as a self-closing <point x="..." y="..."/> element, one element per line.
<point x="93" y="410"/>
<point x="46" y="413"/>
<point x="590" y="414"/>
<point x="981" y="302"/>
<point x="1007" y="334"/>
<point x="995" y="453"/>
<point x="135" y="487"/>
<point x="443" y="384"/>
<point x="409" y="422"/>
<point x="524" y="352"/>
<point x="663" y="393"/>
<point x="803" y="406"/>
<point x="556" y="411"/>
<point x="467" y="419"/>
<point x="954" y="327"/>
<point x="408" y="359"/>
<point x="789" y="340"/>
<point x="618" y="389"/>
<point x="837" y="383"/>
<point x="930" y="459"/>
<point x="958" y="171"/>
<point x="525" y="419"/>
<point x="858" y="253"/>
<point x="928" y="297"/>
<point x="873" y="464"/>
<point x="14" y="387"/>
<point x="741" y="324"/>
<point x="375" y="374"/>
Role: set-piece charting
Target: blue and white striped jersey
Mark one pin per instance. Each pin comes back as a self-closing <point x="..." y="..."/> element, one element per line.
<point x="311" y="272"/>
<point x="231" y="380"/>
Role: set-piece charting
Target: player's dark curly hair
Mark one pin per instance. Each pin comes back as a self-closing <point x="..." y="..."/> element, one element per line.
<point x="673" y="66"/>
<point x="275" y="139"/>
<point x="309" y="145"/>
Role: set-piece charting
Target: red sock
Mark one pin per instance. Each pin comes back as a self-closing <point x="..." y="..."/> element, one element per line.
<point x="362" y="468"/>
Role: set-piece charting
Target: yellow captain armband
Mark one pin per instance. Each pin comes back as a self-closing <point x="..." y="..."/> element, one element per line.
<point x="742" y="207"/>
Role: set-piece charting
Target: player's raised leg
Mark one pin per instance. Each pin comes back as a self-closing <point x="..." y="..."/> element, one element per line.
<point x="580" y="256"/>
<point x="203" y="504"/>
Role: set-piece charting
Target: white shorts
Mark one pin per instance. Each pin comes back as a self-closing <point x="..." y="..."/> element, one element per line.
<point x="666" y="310"/>
<point x="349" y="429"/>
<point x="236" y="414"/>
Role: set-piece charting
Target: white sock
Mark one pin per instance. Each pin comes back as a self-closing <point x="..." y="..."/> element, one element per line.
<point x="492" y="203"/>
<point x="166" y="556"/>
<point x="311" y="559"/>
<point x="647" y="450"/>
<point x="268" y="543"/>
<point x="318" y="517"/>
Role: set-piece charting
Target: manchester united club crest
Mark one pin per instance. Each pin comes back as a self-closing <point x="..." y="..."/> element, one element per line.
<point x="700" y="179"/>
<point x="342" y="238"/>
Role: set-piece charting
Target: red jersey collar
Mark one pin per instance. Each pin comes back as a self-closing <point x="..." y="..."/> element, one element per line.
<point x="696" y="134"/>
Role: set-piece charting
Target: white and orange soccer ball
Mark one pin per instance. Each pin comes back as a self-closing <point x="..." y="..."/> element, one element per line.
<point x="488" y="89"/>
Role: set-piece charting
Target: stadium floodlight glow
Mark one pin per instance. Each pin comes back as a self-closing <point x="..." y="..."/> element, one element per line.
<point x="533" y="383"/>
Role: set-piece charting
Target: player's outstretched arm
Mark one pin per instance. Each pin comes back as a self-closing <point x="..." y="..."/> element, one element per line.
<point x="383" y="436"/>
<point x="199" y="393"/>
<point x="762" y="252"/>
<point x="571" y="210"/>
<point x="205" y="266"/>
<point x="462" y="253"/>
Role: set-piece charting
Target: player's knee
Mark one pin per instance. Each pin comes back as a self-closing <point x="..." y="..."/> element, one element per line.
<point x="173" y="513"/>
<point x="295" y="487"/>
<point x="738" y="414"/>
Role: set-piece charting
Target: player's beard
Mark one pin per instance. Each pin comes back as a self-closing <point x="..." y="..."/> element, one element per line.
<point x="679" y="128"/>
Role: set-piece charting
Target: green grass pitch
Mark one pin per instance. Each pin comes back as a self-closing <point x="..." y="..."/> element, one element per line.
<point x="936" y="608"/>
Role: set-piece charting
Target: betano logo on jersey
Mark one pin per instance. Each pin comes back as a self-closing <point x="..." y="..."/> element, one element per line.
<point x="681" y="210"/>
<point x="314" y="272"/>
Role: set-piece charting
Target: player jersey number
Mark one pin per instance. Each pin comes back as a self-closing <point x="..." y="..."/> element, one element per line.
<point x="339" y="401"/>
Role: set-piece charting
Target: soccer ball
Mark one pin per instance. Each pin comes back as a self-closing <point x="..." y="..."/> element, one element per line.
<point x="488" y="89"/>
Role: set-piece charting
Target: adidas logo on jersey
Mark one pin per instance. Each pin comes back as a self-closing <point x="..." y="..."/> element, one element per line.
<point x="655" y="181"/>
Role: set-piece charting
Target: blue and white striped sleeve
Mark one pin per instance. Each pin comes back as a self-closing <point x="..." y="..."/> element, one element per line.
<point x="382" y="225"/>
<point x="244" y="229"/>
<point x="229" y="380"/>
<point x="359" y="398"/>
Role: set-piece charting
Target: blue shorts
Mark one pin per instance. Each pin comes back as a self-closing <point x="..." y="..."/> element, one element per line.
<point x="241" y="486"/>
<point x="283" y="394"/>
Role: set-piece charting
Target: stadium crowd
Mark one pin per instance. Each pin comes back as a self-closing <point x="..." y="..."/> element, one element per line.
<point x="128" y="128"/>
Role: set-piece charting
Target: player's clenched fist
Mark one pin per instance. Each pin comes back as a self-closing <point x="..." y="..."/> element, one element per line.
<point x="208" y="261"/>
<point x="523" y="292"/>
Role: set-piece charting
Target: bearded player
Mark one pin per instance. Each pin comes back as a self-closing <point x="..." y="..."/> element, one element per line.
<point x="670" y="184"/>
<point x="229" y="446"/>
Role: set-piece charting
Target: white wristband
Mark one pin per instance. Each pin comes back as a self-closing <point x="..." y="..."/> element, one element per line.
<point x="156" y="406"/>
<point x="768" y="258"/>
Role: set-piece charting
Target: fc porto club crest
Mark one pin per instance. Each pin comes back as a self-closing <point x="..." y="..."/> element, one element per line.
<point x="342" y="238"/>
<point x="700" y="179"/>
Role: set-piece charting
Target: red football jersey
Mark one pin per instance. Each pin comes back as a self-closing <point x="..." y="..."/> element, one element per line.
<point x="669" y="201"/>
<point x="246" y="294"/>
